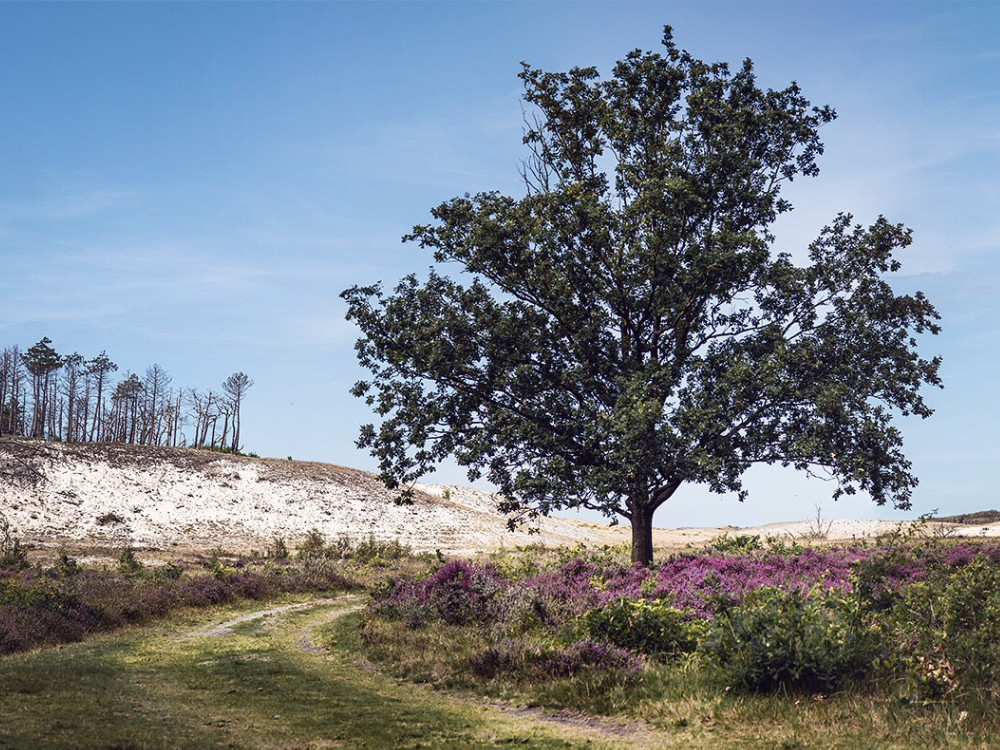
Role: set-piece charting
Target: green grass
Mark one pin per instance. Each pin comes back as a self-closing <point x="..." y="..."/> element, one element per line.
<point x="687" y="708"/>
<point x="256" y="687"/>
<point x="298" y="679"/>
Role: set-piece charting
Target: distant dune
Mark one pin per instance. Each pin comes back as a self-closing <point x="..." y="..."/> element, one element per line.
<point x="163" y="498"/>
<point x="181" y="497"/>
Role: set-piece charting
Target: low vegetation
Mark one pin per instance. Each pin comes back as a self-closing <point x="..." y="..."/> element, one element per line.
<point x="177" y="685"/>
<point x="748" y="643"/>
<point x="898" y="633"/>
<point x="64" y="601"/>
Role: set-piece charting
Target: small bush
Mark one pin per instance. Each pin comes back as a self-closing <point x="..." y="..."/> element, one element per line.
<point x="278" y="549"/>
<point x="65" y="566"/>
<point x="169" y="572"/>
<point x="373" y="551"/>
<point x="340" y="548"/>
<point x="784" y="638"/>
<point x="740" y="544"/>
<point x="519" y="660"/>
<point x="13" y="556"/>
<point x="521" y="610"/>
<point x="313" y="546"/>
<point x="109" y="519"/>
<point x="128" y="564"/>
<point x="653" y="628"/>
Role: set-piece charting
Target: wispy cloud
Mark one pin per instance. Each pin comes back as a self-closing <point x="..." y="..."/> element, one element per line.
<point x="67" y="203"/>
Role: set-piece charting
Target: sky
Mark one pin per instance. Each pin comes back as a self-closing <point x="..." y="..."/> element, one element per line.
<point x="193" y="185"/>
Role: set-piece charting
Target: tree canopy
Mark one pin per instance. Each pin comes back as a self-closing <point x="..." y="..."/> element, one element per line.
<point x="625" y="327"/>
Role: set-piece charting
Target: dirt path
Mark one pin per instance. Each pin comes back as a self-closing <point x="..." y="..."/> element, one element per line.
<point x="224" y="628"/>
<point x="634" y="734"/>
<point x="276" y="678"/>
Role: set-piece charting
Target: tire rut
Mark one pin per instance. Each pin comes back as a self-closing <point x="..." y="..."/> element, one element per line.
<point x="632" y="733"/>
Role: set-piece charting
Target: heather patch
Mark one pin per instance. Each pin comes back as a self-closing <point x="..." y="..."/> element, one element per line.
<point x="913" y="620"/>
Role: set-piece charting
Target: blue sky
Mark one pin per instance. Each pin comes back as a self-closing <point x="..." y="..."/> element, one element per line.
<point x="193" y="184"/>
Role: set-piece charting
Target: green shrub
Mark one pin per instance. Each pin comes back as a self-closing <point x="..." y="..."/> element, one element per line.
<point x="65" y="566"/>
<point x="777" y="638"/>
<point x="313" y="546"/>
<point x="653" y="628"/>
<point x="376" y="552"/>
<point x="13" y="556"/>
<point x="169" y="572"/>
<point x="278" y="549"/>
<point x="128" y="564"/>
<point x="946" y="630"/>
<point x="522" y="610"/>
<point x="741" y="544"/>
<point x="340" y="548"/>
<point x="368" y="550"/>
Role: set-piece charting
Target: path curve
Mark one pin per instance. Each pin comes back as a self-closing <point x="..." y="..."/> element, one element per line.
<point x="224" y="628"/>
<point x="635" y="733"/>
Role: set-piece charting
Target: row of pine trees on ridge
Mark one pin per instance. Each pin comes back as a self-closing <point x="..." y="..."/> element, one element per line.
<point x="66" y="397"/>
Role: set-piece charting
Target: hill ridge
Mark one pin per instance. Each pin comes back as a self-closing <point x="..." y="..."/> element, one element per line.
<point x="184" y="497"/>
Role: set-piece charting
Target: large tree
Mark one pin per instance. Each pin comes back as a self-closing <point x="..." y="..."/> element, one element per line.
<point x="624" y="328"/>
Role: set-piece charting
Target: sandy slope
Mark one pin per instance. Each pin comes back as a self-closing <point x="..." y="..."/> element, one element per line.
<point x="161" y="498"/>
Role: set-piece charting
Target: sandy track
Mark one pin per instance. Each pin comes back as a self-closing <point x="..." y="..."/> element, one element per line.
<point x="225" y="628"/>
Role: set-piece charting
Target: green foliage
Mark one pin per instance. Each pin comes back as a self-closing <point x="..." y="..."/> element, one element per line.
<point x="128" y="564"/>
<point x="367" y="551"/>
<point x="278" y="549"/>
<point x="777" y="638"/>
<point x="746" y="544"/>
<point x="218" y="564"/>
<point x="313" y="546"/>
<point x="169" y="572"/>
<point x="605" y="556"/>
<point x="376" y="552"/>
<point x="946" y="631"/>
<point x="741" y="544"/>
<point x="625" y="327"/>
<point x="41" y="359"/>
<point x="13" y="555"/>
<point x="519" y="563"/>
<point x="65" y="565"/>
<point x="653" y="628"/>
<point x="754" y="544"/>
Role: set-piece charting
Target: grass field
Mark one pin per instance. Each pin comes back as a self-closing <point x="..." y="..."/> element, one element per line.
<point x="293" y="680"/>
<point x="467" y="654"/>
<point x="261" y="684"/>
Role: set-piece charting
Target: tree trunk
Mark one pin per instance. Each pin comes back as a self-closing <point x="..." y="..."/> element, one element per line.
<point x="642" y="535"/>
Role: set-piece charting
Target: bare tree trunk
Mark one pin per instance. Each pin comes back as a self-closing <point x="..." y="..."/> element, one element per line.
<point x="642" y="534"/>
<point x="236" y="386"/>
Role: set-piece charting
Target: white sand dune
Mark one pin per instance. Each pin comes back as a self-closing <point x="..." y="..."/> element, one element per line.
<point x="176" y="497"/>
<point x="53" y="493"/>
